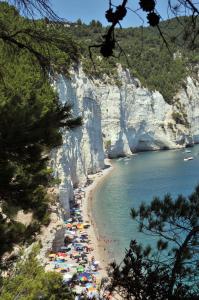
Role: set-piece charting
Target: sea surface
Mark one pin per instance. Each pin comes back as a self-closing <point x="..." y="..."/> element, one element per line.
<point x="137" y="180"/>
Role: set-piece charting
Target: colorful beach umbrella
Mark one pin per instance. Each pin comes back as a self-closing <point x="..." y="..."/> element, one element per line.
<point x="85" y="276"/>
<point x="80" y="269"/>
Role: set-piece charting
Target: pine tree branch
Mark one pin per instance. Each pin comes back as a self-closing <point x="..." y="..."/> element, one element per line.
<point x="178" y="259"/>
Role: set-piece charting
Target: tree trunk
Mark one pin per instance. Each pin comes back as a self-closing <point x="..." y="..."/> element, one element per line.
<point x="178" y="259"/>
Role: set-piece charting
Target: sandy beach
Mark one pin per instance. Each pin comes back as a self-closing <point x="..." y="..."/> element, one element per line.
<point x="99" y="246"/>
<point x="77" y="249"/>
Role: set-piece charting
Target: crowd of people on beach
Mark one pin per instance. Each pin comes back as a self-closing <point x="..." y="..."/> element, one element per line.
<point x="75" y="259"/>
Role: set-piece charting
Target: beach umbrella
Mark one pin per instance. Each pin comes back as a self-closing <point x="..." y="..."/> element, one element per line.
<point x="67" y="277"/>
<point x="63" y="265"/>
<point x="78" y="245"/>
<point x="69" y="220"/>
<point x="60" y="259"/>
<point x="96" y="263"/>
<point x="79" y="289"/>
<point x="85" y="276"/>
<point x="72" y="232"/>
<point x="76" y="240"/>
<point x="80" y="269"/>
<point x="63" y="258"/>
<point x="89" y="285"/>
<point x="80" y="226"/>
<point x="67" y="249"/>
<point x="59" y="270"/>
<point x="61" y="254"/>
<point x="63" y="248"/>
<point x="92" y="289"/>
<point x="84" y="233"/>
<point x="52" y="255"/>
<point x="92" y="294"/>
<point x="69" y="225"/>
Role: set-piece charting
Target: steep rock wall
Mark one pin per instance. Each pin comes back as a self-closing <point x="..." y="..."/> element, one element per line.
<point x="118" y="121"/>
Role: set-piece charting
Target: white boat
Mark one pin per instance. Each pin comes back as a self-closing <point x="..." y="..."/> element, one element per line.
<point x="188" y="158"/>
<point x="187" y="151"/>
<point x="121" y="158"/>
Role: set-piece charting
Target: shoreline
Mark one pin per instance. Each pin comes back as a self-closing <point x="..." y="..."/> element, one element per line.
<point x="99" y="247"/>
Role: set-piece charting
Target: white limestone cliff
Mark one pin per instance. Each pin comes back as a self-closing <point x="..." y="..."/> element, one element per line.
<point x="119" y="121"/>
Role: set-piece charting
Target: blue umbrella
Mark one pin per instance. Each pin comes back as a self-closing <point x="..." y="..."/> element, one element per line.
<point x="78" y="245"/>
<point x="88" y="285"/>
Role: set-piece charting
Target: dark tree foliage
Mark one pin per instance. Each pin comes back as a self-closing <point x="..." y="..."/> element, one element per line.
<point x="41" y="41"/>
<point x="31" y="117"/>
<point x="171" y="270"/>
<point x="29" y="281"/>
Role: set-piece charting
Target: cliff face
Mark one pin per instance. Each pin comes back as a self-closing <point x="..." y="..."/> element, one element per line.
<point x="119" y="121"/>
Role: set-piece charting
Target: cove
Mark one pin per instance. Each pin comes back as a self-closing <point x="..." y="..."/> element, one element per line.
<point x="137" y="180"/>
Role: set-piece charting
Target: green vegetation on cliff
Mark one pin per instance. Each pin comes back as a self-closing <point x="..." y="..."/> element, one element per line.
<point x="148" y="57"/>
<point x="29" y="281"/>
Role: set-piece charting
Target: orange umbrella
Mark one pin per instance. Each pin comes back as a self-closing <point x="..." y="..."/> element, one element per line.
<point x="69" y="225"/>
<point x="80" y="226"/>
<point x="61" y="254"/>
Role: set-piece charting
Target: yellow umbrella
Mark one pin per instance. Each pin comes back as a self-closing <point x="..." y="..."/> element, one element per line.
<point x="53" y="255"/>
<point x="91" y="289"/>
<point x="59" y="270"/>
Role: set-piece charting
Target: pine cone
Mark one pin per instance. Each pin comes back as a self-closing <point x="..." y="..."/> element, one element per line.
<point x="147" y="5"/>
<point x="153" y="19"/>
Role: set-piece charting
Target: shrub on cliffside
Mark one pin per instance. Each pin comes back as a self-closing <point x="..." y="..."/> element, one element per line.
<point x="30" y="282"/>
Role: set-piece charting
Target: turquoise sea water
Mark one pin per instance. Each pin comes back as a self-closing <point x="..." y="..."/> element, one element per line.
<point x="133" y="181"/>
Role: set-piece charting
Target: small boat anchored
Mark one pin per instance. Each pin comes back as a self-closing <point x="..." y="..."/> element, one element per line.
<point x="188" y="158"/>
<point x="187" y="151"/>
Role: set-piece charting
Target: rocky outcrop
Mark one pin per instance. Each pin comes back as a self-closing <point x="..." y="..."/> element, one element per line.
<point x="119" y="121"/>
